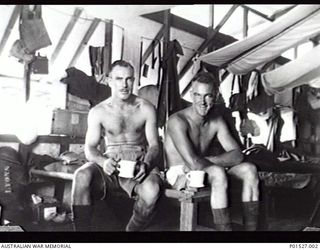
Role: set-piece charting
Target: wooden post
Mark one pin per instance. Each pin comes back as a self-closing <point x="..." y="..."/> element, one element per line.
<point x="211" y="26"/>
<point x="245" y="22"/>
<point x="166" y="40"/>
<point x="107" y="57"/>
<point x="188" y="215"/>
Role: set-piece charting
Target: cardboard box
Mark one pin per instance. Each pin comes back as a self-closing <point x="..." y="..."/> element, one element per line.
<point x="69" y="122"/>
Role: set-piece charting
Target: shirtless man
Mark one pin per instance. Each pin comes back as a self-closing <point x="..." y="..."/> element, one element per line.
<point x="129" y="123"/>
<point x="190" y="133"/>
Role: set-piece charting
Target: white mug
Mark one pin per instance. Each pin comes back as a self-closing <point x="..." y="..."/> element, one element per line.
<point x="196" y="178"/>
<point x="126" y="168"/>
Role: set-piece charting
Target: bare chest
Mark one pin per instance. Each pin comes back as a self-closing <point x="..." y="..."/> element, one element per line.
<point x="128" y="122"/>
<point x="201" y="137"/>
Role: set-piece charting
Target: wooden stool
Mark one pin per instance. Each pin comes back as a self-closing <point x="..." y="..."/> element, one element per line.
<point x="189" y="207"/>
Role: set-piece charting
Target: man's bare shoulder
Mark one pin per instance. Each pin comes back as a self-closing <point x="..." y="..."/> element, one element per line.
<point x="179" y="118"/>
<point x="144" y="104"/>
<point x="100" y="109"/>
<point x="216" y="119"/>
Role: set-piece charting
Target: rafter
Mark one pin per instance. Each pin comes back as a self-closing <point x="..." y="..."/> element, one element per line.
<point x="65" y="34"/>
<point x="205" y="44"/>
<point x="13" y="18"/>
<point x="280" y="13"/>
<point x="187" y="26"/>
<point x="258" y="13"/>
<point x="84" y="41"/>
<point x="149" y="49"/>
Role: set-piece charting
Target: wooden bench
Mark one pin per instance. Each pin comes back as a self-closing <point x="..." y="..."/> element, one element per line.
<point x="188" y="200"/>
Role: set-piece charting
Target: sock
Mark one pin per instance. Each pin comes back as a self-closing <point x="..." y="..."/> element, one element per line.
<point x="250" y="215"/>
<point x="82" y="215"/>
<point x="221" y="219"/>
<point x="136" y="223"/>
<point x="141" y="215"/>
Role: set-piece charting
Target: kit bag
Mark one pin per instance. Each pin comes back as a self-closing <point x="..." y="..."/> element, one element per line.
<point x="33" y="32"/>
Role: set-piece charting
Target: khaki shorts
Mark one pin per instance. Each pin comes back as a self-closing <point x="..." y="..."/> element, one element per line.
<point x="124" y="152"/>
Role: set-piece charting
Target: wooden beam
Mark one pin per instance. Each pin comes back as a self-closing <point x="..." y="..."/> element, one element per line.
<point x="84" y="41"/>
<point x="107" y="57"/>
<point x="205" y="45"/>
<point x="258" y="13"/>
<point x="245" y="23"/>
<point x="13" y="18"/>
<point x="65" y="34"/>
<point x="166" y="40"/>
<point x="45" y="139"/>
<point x="188" y="26"/>
<point x="282" y="12"/>
<point x="148" y="51"/>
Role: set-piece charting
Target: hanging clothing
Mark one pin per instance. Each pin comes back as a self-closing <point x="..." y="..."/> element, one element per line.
<point x="151" y="70"/>
<point x="261" y="101"/>
<point x="86" y="87"/>
<point x="262" y="121"/>
<point x="288" y="129"/>
<point x="96" y="55"/>
<point x="169" y="95"/>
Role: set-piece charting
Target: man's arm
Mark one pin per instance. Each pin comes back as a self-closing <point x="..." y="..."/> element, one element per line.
<point x="152" y="138"/>
<point x="93" y="138"/>
<point x="151" y="135"/>
<point x="177" y="129"/>
<point x="233" y="155"/>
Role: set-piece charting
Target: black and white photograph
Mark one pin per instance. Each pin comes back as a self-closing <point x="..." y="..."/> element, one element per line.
<point x="198" y="120"/>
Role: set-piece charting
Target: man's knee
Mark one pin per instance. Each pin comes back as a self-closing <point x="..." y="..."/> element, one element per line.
<point x="217" y="177"/>
<point x="83" y="175"/>
<point x="250" y="172"/>
<point x="149" y="190"/>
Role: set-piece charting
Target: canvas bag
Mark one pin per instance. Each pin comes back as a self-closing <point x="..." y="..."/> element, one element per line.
<point x="33" y="32"/>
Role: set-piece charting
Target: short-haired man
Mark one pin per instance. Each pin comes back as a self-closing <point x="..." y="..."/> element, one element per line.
<point x="129" y="125"/>
<point x="190" y="133"/>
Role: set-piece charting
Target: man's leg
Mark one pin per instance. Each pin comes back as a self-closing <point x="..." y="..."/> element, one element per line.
<point x="248" y="174"/>
<point x="148" y="193"/>
<point x="81" y="197"/>
<point x="217" y="178"/>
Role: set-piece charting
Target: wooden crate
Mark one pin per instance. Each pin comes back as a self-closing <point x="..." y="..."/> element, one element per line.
<point x="68" y="122"/>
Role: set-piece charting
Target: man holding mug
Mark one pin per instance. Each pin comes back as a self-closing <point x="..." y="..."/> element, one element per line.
<point x="129" y="125"/>
<point x="190" y="133"/>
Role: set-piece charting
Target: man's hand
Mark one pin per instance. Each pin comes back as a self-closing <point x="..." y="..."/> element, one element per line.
<point x="142" y="171"/>
<point x="110" y="166"/>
